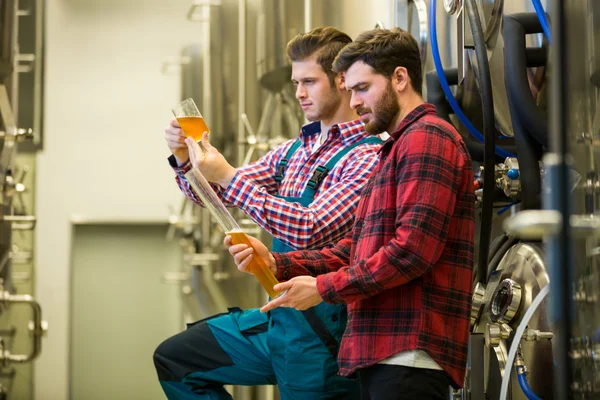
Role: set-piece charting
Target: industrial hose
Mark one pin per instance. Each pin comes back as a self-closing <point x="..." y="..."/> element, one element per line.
<point x="489" y="130"/>
<point x="529" y="122"/>
<point x="516" y="27"/>
<point x="517" y="339"/>
<point x="449" y="96"/>
<point x="543" y="18"/>
<point x="525" y="385"/>
<point x="436" y="96"/>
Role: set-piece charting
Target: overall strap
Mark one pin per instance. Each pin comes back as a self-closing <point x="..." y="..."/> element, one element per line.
<point x="317" y="325"/>
<point x="322" y="170"/>
<point x="283" y="163"/>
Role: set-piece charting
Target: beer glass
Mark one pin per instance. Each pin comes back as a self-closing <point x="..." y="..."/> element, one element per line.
<point x="191" y="121"/>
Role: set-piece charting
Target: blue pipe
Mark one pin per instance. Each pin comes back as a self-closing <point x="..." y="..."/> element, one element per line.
<point x="444" y="82"/>
<point x="505" y="209"/>
<point x="525" y="385"/>
<point x="539" y="10"/>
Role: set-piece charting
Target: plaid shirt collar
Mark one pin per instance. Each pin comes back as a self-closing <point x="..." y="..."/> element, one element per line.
<point x="408" y="120"/>
<point x="348" y="130"/>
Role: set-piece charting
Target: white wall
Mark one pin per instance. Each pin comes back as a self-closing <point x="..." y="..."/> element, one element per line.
<point x="361" y="15"/>
<point x="106" y="106"/>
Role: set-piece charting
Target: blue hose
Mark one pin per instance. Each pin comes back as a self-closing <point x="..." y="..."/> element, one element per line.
<point x="541" y="14"/>
<point x="525" y="385"/>
<point x="505" y="209"/>
<point x="444" y="82"/>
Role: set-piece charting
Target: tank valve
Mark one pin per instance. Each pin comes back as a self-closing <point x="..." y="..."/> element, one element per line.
<point x="495" y="333"/>
<point x="534" y="334"/>
<point x="507" y="177"/>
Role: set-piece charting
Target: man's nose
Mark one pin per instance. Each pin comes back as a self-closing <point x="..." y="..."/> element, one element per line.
<point x="355" y="101"/>
<point x="300" y="92"/>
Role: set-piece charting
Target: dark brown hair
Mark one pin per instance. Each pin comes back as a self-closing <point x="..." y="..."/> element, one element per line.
<point x="384" y="50"/>
<point x="325" y="42"/>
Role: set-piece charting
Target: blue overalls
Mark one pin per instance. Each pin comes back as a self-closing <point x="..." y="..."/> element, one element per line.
<point x="293" y="349"/>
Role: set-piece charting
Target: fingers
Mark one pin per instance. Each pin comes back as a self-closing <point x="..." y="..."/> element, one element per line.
<point x="174" y="135"/>
<point x="276" y="302"/>
<point x="280" y="287"/>
<point x="194" y="151"/>
<point x="242" y="254"/>
<point x="174" y="123"/>
<point x="205" y="141"/>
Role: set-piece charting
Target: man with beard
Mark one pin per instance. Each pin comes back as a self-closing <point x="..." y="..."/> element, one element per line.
<point x="405" y="269"/>
<point x="304" y="193"/>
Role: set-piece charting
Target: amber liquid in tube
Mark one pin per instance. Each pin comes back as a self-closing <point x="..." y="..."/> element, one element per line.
<point x="257" y="266"/>
<point x="223" y="217"/>
<point x="193" y="127"/>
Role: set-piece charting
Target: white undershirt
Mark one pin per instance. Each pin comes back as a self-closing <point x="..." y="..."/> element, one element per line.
<point x="320" y="140"/>
<point x="412" y="358"/>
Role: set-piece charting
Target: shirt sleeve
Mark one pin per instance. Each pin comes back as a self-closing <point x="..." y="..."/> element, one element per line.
<point x="427" y="178"/>
<point x="324" y="221"/>
<point x="261" y="173"/>
<point x="313" y="262"/>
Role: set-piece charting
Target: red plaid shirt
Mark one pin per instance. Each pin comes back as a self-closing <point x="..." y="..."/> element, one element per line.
<point x="329" y="217"/>
<point x="405" y="270"/>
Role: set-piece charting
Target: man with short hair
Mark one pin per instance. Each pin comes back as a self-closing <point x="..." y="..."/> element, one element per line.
<point x="304" y="193"/>
<point x="405" y="269"/>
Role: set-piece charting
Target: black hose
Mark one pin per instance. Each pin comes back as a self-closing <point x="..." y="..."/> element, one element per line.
<point x="529" y="148"/>
<point x="496" y="244"/>
<point x="495" y="261"/>
<point x="516" y="26"/>
<point x="494" y="247"/>
<point x="435" y="93"/>
<point x="436" y="96"/>
<point x="536" y="56"/>
<point x="489" y="133"/>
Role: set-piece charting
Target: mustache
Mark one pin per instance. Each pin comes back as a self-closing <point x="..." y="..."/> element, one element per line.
<point x="362" y="110"/>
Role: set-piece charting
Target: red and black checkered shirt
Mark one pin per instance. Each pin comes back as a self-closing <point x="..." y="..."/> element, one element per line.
<point x="405" y="269"/>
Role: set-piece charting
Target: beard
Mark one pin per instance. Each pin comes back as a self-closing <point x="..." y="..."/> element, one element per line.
<point x="326" y="108"/>
<point x="386" y="110"/>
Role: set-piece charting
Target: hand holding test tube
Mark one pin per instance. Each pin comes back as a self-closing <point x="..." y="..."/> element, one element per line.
<point x="223" y="217"/>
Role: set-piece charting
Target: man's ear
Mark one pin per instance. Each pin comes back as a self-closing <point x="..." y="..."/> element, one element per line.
<point x="400" y="79"/>
<point x="341" y="80"/>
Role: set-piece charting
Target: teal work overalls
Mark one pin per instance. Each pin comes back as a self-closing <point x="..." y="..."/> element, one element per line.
<point x="295" y="349"/>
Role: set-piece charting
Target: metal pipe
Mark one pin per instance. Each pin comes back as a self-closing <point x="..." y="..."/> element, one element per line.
<point x="37" y="331"/>
<point x="307" y="15"/>
<point x="516" y="341"/>
<point x="241" y="78"/>
<point x="561" y="261"/>
<point x="37" y="73"/>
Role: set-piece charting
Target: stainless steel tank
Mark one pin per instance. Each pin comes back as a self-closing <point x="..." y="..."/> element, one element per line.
<point x="519" y="277"/>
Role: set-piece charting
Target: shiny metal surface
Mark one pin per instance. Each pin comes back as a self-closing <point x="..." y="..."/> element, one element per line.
<point x="506" y="301"/>
<point x="523" y="264"/>
<point x="478" y="293"/>
<point x="451" y="6"/>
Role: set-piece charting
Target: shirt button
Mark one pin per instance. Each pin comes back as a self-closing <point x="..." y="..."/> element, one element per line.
<point x="285" y="274"/>
<point x="334" y="318"/>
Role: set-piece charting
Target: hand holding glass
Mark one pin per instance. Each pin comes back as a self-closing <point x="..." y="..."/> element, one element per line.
<point x="191" y="121"/>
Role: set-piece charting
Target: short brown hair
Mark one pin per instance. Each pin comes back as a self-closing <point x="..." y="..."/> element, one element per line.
<point x="325" y="42"/>
<point x="384" y="50"/>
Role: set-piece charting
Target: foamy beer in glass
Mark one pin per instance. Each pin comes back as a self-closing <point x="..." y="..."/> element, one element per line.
<point x="191" y="121"/>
